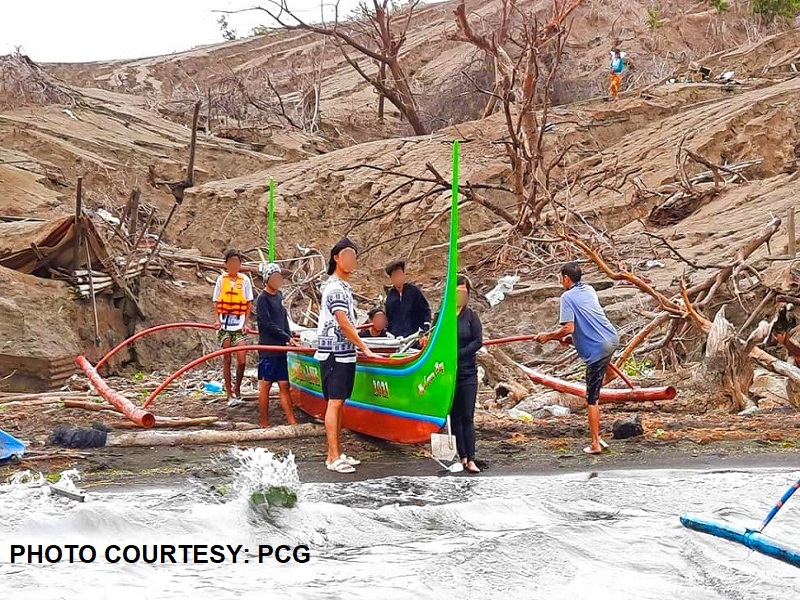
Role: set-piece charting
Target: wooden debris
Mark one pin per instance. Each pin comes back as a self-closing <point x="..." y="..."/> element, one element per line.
<point x="159" y="438"/>
<point x="168" y="422"/>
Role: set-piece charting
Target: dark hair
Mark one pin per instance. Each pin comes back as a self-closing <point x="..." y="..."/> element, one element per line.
<point x="464" y="280"/>
<point x="394" y="266"/>
<point x="337" y="248"/>
<point x="573" y="271"/>
<point x="230" y="253"/>
<point x="374" y="311"/>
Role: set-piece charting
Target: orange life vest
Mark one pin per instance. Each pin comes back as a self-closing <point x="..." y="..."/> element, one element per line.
<point x="231" y="298"/>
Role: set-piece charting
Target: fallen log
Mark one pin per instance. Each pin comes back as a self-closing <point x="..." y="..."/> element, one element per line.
<point x="13" y="397"/>
<point x="94" y="406"/>
<point x="158" y="438"/>
<point x="168" y="422"/>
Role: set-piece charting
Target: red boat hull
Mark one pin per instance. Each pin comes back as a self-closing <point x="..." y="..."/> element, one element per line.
<point x="390" y="427"/>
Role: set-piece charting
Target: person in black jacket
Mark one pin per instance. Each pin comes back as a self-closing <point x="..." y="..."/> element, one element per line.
<point x="273" y="330"/>
<point x="470" y="340"/>
<point x="407" y="309"/>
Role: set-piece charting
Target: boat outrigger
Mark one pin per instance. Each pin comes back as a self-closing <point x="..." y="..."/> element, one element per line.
<point x="754" y="539"/>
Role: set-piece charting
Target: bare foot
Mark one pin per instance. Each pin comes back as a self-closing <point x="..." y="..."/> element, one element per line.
<point x="264" y="424"/>
<point x="593" y="450"/>
<point x="472" y="467"/>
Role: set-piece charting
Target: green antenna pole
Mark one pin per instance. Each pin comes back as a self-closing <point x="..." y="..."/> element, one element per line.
<point x="271" y="219"/>
<point x="454" y="210"/>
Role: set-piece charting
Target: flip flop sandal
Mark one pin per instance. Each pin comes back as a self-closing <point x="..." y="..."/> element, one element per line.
<point x="350" y="460"/>
<point x="340" y="466"/>
<point x="588" y="450"/>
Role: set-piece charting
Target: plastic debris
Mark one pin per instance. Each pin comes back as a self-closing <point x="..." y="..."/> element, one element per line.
<point x="213" y="387"/>
<point x="520" y="415"/>
<point x="504" y="285"/>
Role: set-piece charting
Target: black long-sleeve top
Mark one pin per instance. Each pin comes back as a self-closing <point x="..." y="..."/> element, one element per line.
<point x="407" y="312"/>
<point x="273" y="322"/>
<point x="470" y="340"/>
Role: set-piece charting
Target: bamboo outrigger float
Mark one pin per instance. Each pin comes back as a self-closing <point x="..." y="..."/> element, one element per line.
<point x="754" y="539"/>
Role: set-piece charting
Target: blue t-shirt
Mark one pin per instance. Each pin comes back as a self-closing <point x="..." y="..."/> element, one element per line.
<point x="594" y="336"/>
<point x="617" y="65"/>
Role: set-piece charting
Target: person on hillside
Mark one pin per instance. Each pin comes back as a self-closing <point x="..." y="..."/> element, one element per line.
<point x="617" y="69"/>
<point x="273" y="330"/>
<point x="337" y="340"/>
<point x="377" y="324"/>
<point x="407" y="309"/>
<point x="233" y="301"/>
<point x="593" y="335"/>
<point x="470" y="340"/>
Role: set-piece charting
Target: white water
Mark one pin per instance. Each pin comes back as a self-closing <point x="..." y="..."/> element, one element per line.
<point x="615" y="536"/>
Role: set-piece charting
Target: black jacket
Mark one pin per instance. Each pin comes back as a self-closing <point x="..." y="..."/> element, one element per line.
<point x="470" y="340"/>
<point x="273" y="322"/>
<point x="408" y="313"/>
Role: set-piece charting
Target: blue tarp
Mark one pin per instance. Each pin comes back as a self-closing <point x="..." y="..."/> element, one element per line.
<point x="10" y="446"/>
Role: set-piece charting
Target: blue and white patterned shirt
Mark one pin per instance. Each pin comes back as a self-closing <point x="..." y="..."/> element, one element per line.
<point x="336" y="296"/>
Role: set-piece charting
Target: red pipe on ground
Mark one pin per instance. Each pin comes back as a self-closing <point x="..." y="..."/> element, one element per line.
<point x="215" y="354"/>
<point x="155" y="329"/>
<point x="125" y="406"/>
<point x="530" y="338"/>
<point x="606" y="395"/>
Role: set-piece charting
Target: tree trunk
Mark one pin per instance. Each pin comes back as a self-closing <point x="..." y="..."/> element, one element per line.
<point x="726" y="364"/>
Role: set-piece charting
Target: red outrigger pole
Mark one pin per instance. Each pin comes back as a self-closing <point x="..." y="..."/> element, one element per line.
<point x="142" y="417"/>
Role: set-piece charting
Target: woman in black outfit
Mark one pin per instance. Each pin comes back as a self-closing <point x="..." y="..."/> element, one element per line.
<point x="470" y="340"/>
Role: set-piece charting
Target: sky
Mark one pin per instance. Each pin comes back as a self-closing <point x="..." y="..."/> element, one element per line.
<point x="92" y="30"/>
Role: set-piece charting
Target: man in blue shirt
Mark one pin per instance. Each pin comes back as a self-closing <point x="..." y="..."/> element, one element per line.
<point x="594" y="337"/>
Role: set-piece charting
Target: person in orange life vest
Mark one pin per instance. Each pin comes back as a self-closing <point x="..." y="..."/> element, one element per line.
<point x="233" y="301"/>
<point x="273" y="330"/>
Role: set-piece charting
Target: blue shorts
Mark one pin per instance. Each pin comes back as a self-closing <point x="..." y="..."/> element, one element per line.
<point x="273" y="368"/>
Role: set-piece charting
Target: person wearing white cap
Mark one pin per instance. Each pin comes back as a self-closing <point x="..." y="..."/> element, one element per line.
<point x="273" y="330"/>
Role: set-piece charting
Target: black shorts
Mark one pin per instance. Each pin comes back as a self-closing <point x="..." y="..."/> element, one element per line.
<point x="595" y="373"/>
<point x="338" y="379"/>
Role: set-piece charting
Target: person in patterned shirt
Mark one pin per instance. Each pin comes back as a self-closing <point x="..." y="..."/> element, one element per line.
<point x="337" y="341"/>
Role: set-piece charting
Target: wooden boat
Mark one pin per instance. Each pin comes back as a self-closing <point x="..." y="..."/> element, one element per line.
<point x="400" y="399"/>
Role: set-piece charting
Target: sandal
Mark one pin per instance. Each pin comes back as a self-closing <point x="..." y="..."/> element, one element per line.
<point x="471" y="467"/>
<point x="588" y="450"/>
<point x="353" y="462"/>
<point x="340" y="466"/>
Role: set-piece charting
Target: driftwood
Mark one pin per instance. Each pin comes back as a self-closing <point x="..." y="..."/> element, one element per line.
<point x="168" y="422"/>
<point x="499" y="368"/>
<point x="94" y="406"/>
<point x="726" y="363"/>
<point x="156" y="438"/>
<point x="6" y="397"/>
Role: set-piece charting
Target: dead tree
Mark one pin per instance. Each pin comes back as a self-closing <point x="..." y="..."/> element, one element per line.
<point x="378" y="34"/>
<point x="527" y="54"/>
<point x="725" y="359"/>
